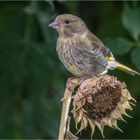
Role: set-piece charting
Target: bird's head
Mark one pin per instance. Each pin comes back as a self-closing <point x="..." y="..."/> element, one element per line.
<point x="68" y="25"/>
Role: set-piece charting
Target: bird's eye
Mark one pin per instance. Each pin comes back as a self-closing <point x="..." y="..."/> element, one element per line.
<point x="67" y="21"/>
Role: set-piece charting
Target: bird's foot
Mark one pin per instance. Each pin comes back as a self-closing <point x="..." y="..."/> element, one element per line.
<point x="70" y="85"/>
<point x="70" y="82"/>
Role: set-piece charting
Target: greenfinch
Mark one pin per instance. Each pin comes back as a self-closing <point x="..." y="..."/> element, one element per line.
<point x="81" y="52"/>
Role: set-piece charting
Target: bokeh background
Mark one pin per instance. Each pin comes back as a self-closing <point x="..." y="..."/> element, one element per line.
<point x="32" y="79"/>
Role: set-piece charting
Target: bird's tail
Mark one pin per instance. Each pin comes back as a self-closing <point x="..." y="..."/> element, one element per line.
<point x="126" y="69"/>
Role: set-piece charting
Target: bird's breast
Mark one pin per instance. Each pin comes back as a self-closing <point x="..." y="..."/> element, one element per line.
<point x="65" y="49"/>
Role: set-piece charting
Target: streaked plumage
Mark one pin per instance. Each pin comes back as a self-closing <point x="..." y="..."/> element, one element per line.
<point x="81" y="52"/>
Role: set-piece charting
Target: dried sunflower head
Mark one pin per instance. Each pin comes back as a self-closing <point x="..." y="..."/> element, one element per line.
<point x="101" y="101"/>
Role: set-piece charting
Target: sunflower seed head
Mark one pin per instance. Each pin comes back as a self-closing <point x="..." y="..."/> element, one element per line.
<point x="101" y="101"/>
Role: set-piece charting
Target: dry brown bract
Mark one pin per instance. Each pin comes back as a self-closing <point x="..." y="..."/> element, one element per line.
<point x="101" y="102"/>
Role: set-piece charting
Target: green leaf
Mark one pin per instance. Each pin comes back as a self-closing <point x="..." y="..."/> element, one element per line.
<point x="135" y="56"/>
<point x="131" y="21"/>
<point x="119" y="46"/>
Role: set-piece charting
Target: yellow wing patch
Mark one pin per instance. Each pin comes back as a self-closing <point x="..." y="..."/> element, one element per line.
<point x="110" y="58"/>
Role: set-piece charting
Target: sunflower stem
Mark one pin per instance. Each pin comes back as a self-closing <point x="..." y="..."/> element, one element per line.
<point x="71" y="84"/>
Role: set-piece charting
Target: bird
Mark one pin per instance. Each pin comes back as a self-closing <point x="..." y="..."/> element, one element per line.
<point x="81" y="52"/>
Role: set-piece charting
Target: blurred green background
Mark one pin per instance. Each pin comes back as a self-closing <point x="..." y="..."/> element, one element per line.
<point x="32" y="79"/>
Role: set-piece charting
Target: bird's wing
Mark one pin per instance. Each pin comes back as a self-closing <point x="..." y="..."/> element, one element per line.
<point x="91" y="49"/>
<point x="97" y="44"/>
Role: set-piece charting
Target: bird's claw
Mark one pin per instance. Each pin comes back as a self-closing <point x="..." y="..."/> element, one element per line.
<point x="70" y="83"/>
<point x="69" y="86"/>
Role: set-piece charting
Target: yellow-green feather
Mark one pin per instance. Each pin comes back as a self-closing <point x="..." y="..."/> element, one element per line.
<point x="127" y="69"/>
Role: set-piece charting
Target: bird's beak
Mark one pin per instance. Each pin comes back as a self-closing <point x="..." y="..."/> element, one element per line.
<point x="54" y="25"/>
